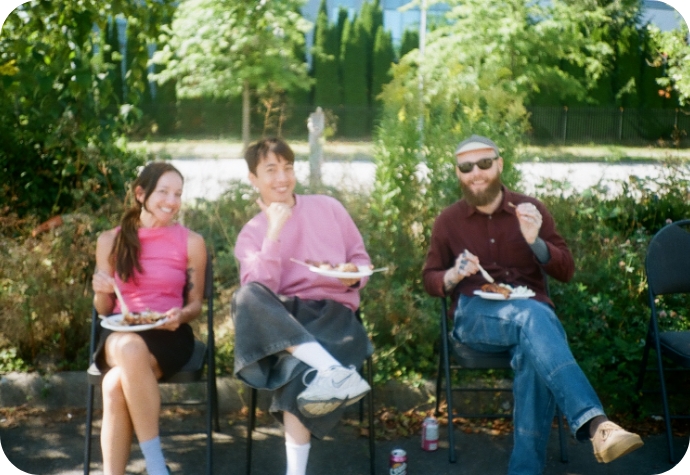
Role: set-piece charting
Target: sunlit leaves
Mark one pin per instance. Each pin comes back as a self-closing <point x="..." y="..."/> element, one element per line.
<point x="214" y="46"/>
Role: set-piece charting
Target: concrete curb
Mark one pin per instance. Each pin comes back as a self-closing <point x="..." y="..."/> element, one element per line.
<point x="68" y="389"/>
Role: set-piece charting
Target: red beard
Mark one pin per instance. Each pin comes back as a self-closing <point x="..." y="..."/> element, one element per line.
<point x="485" y="197"/>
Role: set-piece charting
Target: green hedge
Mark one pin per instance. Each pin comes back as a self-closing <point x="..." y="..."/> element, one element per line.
<point x="603" y="309"/>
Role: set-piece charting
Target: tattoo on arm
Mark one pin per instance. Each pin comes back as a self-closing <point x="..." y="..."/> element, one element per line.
<point x="189" y="285"/>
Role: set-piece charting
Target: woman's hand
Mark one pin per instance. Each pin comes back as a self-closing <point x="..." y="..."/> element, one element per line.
<point x="103" y="292"/>
<point x="173" y="320"/>
<point x="102" y="282"/>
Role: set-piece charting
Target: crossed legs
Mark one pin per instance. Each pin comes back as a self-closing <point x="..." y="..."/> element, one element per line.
<point x="131" y="399"/>
<point x="546" y="372"/>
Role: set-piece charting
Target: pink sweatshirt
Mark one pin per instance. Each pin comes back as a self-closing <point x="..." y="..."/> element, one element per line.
<point x="319" y="229"/>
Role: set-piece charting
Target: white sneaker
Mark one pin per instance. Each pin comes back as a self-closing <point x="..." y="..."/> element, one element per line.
<point x="330" y="389"/>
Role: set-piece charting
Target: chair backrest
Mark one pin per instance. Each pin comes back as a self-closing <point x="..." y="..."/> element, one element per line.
<point x="668" y="259"/>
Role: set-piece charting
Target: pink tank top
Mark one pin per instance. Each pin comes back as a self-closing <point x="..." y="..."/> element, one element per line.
<point x="163" y="259"/>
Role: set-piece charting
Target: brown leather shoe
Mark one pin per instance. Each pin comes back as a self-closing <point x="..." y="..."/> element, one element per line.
<point x="612" y="441"/>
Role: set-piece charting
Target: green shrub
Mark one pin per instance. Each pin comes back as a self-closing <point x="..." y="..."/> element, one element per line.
<point x="45" y="285"/>
<point x="45" y="294"/>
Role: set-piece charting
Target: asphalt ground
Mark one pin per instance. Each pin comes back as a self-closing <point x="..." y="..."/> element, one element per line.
<point x="52" y="442"/>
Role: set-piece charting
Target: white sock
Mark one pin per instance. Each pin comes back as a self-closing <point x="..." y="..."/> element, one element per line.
<point x="297" y="457"/>
<point x="315" y="356"/>
<point x="153" y="455"/>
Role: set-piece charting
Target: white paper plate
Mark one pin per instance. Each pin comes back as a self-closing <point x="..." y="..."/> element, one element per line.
<point x="114" y="323"/>
<point x="496" y="296"/>
<point x="364" y="271"/>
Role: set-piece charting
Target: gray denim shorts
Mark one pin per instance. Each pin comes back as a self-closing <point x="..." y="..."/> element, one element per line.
<point x="266" y="324"/>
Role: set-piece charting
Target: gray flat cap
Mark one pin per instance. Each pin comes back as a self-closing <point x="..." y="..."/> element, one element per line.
<point x="476" y="142"/>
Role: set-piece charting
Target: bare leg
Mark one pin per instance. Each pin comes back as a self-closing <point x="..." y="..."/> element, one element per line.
<point x="136" y="373"/>
<point x="295" y="432"/>
<point x="116" y="431"/>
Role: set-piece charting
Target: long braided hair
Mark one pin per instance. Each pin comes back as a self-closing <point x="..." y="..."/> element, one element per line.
<point x="124" y="255"/>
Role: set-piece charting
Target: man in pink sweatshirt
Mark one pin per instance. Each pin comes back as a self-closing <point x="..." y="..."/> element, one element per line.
<point x="291" y="323"/>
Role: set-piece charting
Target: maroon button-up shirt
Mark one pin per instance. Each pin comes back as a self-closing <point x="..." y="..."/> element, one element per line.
<point x="498" y="243"/>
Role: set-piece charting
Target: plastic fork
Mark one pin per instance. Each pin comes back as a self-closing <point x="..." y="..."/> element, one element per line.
<point x="123" y="306"/>
<point x="485" y="274"/>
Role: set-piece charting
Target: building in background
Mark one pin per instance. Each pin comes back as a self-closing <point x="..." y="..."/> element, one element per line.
<point x="396" y="21"/>
<point x="662" y="15"/>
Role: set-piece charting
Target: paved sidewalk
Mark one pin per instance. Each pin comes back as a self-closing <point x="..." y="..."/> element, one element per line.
<point x="52" y="443"/>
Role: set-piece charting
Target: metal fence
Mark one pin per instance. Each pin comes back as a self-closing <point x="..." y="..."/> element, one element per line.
<point x="549" y="125"/>
<point x="563" y="125"/>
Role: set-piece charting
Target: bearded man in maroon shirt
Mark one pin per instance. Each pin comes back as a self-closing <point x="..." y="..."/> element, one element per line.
<point x="513" y="238"/>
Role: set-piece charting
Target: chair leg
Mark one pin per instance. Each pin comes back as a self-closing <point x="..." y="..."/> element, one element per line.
<point x="250" y="428"/>
<point x="372" y="429"/>
<point x="667" y="412"/>
<point x="643" y="366"/>
<point x="89" y="422"/>
<point x="439" y="379"/>
<point x="449" y="410"/>
<point x="561" y="438"/>
<point x="211" y="411"/>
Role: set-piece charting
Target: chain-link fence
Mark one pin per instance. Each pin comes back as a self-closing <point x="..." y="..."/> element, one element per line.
<point x="567" y="126"/>
<point x="550" y="125"/>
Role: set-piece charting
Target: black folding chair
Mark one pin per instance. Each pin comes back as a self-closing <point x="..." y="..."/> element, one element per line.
<point x="369" y="369"/>
<point x="668" y="272"/>
<point x="466" y="358"/>
<point x="191" y="372"/>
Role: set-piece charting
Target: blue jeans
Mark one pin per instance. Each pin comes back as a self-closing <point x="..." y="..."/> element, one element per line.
<point x="546" y="373"/>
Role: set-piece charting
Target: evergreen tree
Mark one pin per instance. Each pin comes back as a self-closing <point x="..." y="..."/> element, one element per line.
<point x="601" y="93"/>
<point x="325" y="58"/>
<point x="301" y="96"/>
<point x="343" y="19"/>
<point x="320" y="27"/>
<point x="628" y="74"/>
<point x="137" y="86"/>
<point x="384" y="56"/>
<point x="354" y="79"/>
<point x="410" y="41"/>
<point x="112" y="56"/>
<point x="370" y="18"/>
<point x="651" y="95"/>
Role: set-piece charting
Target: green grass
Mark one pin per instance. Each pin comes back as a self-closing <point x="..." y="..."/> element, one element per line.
<point x="602" y="153"/>
<point x="363" y="150"/>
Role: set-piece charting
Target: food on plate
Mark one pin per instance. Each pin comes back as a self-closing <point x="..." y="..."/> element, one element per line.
<point x="507" y="290"/>
<point x="325" y="265"/>
<point x="320" y="264"/>
<point x="143" y="318"/>
<point x="497" y="289"/>
<point x="347" y="267"/>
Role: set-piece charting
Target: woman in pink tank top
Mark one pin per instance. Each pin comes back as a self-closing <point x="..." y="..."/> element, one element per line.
<point x="158" y="265"/>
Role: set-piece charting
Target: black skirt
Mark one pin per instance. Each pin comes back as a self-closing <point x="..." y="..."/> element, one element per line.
<point x="172" y="349"/>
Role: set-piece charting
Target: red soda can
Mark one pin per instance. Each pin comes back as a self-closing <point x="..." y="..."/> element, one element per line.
<point x="398" y="462"/>
<point x="430" y="434"/>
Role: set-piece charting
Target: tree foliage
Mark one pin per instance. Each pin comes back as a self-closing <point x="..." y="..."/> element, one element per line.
<point x="354" y="73"/>
<point x="478" y="71"/>
<point x="383" y="59"/>
<point x="62" y="136"/>
<point x="673" y="54"/>
<point x="326" y="55"/>
<point x="410" y="41"/>
<point x="217" y="48"/>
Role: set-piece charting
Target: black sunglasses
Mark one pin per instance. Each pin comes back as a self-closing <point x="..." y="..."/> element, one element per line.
<point x="483" y="164"/>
